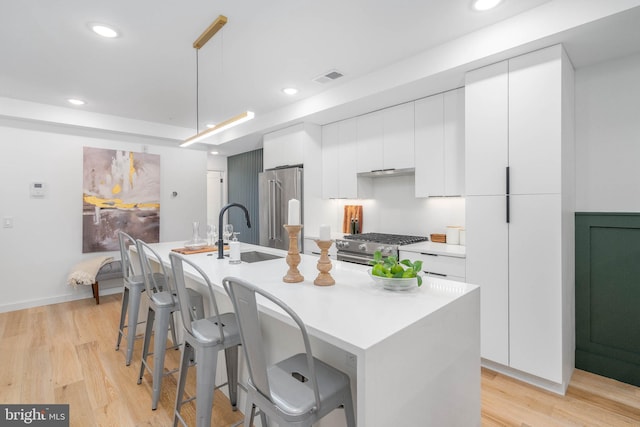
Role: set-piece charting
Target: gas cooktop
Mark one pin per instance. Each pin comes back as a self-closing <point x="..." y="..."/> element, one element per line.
<point x="388" y="239"/>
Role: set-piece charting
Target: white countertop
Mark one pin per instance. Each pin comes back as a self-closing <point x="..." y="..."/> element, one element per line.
<point x="354" y="314"/>
<point x="436" y="248"/>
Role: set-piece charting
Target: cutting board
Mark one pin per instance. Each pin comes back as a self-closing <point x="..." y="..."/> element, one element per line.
<point x="186" y="251"/>
<point x="351" y="211"/>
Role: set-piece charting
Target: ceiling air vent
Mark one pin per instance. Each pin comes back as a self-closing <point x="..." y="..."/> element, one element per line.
<point x="328" y="77"/>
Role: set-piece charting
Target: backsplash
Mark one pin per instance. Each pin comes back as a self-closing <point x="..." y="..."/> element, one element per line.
<point x="395" y="209"/>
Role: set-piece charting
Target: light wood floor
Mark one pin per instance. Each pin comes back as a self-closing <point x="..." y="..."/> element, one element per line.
<point x="65" y="353"/>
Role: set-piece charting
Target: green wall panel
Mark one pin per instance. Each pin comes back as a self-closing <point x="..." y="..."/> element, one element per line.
<point x="608" y="294"/>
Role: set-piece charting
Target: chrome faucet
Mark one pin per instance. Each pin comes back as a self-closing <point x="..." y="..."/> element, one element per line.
<point x="220" y="234"/>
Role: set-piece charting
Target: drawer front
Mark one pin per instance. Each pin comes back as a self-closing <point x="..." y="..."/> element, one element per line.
<point x="440" y="265"/>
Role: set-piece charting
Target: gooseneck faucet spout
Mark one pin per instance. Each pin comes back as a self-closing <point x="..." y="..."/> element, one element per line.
<point x="220" y="234"/>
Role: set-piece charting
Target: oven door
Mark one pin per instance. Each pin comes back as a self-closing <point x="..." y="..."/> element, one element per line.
<point x="354" y="258"/>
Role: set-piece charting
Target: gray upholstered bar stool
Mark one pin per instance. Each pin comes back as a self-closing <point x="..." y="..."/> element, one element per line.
<point x="133" y="286"/>
<point x="296" y="391"/>
<point x="162" y="305"/>
<point x="203" y="340"/>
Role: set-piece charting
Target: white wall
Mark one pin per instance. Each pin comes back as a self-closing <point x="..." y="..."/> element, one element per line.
<point x="608" y="136"/>
<point x="36" y="255"/>
<point x="216" y="162"/>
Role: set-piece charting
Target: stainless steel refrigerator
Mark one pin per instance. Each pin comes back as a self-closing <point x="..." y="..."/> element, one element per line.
<point x="276" y="187"/>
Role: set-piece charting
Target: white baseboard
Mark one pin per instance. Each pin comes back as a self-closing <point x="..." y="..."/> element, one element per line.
<point x="39" y="302"/>
<point x="551" y="386"/>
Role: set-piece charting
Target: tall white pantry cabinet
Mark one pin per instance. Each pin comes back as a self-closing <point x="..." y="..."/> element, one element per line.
<point x="520" y="213"/>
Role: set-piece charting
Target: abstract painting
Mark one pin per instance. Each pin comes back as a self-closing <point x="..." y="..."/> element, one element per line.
<point x="121" y="191"/>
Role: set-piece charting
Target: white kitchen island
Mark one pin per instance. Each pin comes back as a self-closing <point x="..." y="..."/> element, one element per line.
<point x="413" y="356"/>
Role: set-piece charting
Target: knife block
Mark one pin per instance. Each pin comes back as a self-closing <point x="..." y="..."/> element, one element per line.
<point x="351" y="211"/>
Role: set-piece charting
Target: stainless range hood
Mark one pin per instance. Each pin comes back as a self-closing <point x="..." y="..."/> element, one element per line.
<point x="388" y="172"/>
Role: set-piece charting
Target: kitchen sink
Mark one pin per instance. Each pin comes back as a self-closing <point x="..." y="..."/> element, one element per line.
<point x="255" y="256"/>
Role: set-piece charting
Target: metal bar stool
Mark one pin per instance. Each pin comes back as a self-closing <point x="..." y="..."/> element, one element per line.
<point x="296" y="391"/>
<point x="203" y="340"/>
<point x="133" y="286"/>
<point x="162" y="305"/>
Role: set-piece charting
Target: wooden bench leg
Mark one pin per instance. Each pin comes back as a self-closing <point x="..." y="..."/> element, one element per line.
<point x="96" y="292"/>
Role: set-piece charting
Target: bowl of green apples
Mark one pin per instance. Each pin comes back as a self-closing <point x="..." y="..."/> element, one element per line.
<point x="395" y="275"/>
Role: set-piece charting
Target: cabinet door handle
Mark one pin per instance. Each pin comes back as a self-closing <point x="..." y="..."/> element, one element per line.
<point x="508" y="213"/>
<point x="424" y="253"/>
<point x="507" y="179"/>
<point x="436" y="274"/>
<point x="507" y="193"/>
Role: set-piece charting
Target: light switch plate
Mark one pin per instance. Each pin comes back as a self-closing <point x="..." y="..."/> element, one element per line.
<point x="7" y="222"/>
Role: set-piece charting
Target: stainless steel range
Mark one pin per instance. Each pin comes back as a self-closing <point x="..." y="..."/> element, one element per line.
<point x="359" y="248"/>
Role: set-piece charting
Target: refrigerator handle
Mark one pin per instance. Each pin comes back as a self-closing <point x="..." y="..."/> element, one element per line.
<point x="271" y="209"/>
<point x="278" y="220"/>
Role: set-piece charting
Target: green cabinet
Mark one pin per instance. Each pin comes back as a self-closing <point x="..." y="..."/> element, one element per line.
<point x="608" y="295"/>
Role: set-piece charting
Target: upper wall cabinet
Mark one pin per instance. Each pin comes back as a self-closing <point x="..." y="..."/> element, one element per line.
<point x="439" y="144"/>
<point x="386" y="139"/>
<point x="339" y="153"/>
<point x="284" y="147"/>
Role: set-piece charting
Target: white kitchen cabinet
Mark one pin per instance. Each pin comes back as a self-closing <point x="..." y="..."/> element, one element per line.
<point x="284" y="147"/>
<point x="454" y="142"/>
<point x="386" y="139"/>
<point x="339" y="153"/>
<point x="535" y="152"/>
<point x="487" y="263"/>
<point x="330" y="154"/>
<point x="429" y="146"/>
<point x="519" y="221"/>
<point x="438" y="265"/>
<point x="399" y="136"/>
<point x="487" y="129"/>
<point x="439" y="145"/>
<point x="370" y="129"/>
<point x="536" y="297"/>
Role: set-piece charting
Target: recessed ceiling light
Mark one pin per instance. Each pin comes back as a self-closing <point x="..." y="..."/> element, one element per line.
<point x="290" y="90"/>
<point x="215" y="153"/>
<point x="483" y="5"/>
<point x="76" y="101"/>
<point x="103" y="30"/>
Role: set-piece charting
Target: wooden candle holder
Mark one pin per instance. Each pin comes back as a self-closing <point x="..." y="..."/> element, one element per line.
<point x="293" y="256"/>
<point x="324" y="264"/>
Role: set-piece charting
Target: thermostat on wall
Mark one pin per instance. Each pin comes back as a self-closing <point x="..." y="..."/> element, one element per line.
<point x="37" y="189"/>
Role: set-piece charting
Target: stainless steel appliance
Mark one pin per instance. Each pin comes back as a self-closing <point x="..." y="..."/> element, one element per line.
<point x="275" y="188"/>
<point x="359" y="248"/>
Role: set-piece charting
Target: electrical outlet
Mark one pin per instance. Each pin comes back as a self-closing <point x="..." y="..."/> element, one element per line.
<point x="7" y="222"/>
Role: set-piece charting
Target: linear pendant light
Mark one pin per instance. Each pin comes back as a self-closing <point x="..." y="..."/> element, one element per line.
<point x="216" y="26"/>
<point x="240" y="118"/>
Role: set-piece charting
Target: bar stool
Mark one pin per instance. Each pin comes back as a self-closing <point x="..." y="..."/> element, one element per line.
<point x="203" y="340"/>
<point x="162" y="305"/>
<point x="296" y="391"/>
<point x="133" y="286"/>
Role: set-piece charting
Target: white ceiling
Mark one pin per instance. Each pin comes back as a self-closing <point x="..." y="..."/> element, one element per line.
<point x="149" y="73"/>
